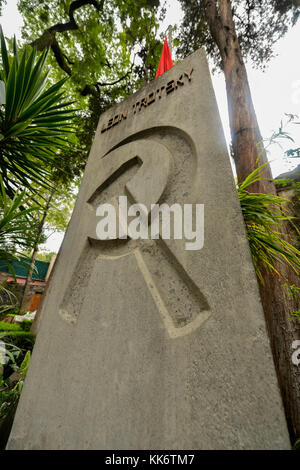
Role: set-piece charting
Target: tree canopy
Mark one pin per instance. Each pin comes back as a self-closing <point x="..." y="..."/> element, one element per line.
<point x="94" y="41"/>
<point x="107" y="49"/>
<point x="259" y="25"/>
<point x="2" y="4"/>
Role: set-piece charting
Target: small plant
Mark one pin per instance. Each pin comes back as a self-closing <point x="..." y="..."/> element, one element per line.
<point x="292" y="291"/>
<point x="8" y="299"/>
<point x="15" y="224"/>
<point x="25" y="325"/>
<point x="11" y="388"/>
<point x="21" y="339"/>
<point x="296" y="446"/>
<point x="9" y="396"/>
<point x="296" y="314"/>
<point x="9" y="353"/>
<point x="264" y="215"/>
<point x="9" y="326"/>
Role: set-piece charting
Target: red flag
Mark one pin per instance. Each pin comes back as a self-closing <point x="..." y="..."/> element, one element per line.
<point x="166" y="61"/>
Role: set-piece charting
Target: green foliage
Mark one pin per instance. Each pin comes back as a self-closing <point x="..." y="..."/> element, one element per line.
<point x="2" y="4"/>
<point x="285" y="133"/>
<point x="45" y="256"/>
<point x="264" y="215"/>
<point x="296" y="314"/>
<point x="21" y="339"/>
<point x="58" y="212"/>
<point x="292" y="291"/>
<point x="290" y="182"/>
<point x="10" y="326"/>
<point x="10" y="395"/>
<point x="16" y="232"/>
<point x="15" y="348"/>
<point x="106" y="52"/>
<point x="34" y="122"/>
<point x="61" y="207"/>
<point x="15" y="222"/>
<point x="25" y="325"/>
<point x="97" y="48"/>
<point x="296" y="446"/>
<point x="295" y="210"/>
<point x="259" y="25"/>
<point x="41" y="256"/>
<point x="8" y="299"/>
<point x="10" y="352"/>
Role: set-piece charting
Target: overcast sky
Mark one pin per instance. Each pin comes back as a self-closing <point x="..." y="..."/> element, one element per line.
<point x="275" y="92"/>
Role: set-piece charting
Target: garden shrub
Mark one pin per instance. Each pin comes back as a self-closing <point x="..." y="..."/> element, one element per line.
<point x="26" y="325"/>
<point x="22" y="339"/>
<point x="9" y="326"/>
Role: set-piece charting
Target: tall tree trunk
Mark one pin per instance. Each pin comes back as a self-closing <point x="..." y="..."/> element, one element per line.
<point x="245" y="134"/>
<point x="246" y="137"/>
<point x="23" y="307"/>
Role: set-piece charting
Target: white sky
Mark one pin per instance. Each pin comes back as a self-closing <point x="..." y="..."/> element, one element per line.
<point x="275" y="92"/>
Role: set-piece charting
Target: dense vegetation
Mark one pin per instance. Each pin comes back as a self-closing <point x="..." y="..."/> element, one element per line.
<point x="76" y="59"/>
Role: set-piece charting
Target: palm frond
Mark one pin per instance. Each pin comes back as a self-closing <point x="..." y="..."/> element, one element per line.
<point x="16" y="228"/>
<point x="264" y="216"/>
<point x="35" y="122"/>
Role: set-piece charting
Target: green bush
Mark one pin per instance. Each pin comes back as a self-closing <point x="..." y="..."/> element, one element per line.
<point x="9" y="326"/>
<point x="22" y="339"/>
<point x="18" y="343"/>
<point x="265" y="216"/>
<point x="25" y="325"/>
<point x="9" y="397"/>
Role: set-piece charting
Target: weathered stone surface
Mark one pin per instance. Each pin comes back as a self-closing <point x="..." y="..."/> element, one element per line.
<point x="144" y="344"/>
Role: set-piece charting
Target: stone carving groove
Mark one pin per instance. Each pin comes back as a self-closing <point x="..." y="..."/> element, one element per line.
<point x="147" y="173"/>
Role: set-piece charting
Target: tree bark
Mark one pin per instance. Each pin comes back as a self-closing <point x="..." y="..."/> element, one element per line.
<point x="37" y="319"/>
<point x="247" y="148"/>
<point x="245" y="133"/>
<point x="23" y="307"/>
<point x="48" y="38"/>
<point x="283" y="331"/>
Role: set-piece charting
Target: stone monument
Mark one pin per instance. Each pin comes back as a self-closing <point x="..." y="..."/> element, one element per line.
<point x="143" y="343"/>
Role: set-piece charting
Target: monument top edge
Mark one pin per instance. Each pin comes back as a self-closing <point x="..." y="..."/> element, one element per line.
<point x="198" y="54"/>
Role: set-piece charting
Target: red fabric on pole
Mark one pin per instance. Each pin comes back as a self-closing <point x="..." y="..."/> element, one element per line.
<point x="166" y="61"/>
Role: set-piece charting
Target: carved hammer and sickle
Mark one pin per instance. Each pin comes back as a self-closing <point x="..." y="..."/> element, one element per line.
<point x="181" y="304"/>
<point x="183" y="307"/>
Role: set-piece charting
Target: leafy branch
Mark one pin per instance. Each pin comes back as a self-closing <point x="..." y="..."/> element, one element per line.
<point x="34" y="122"/>
<point x="48" y="38"/>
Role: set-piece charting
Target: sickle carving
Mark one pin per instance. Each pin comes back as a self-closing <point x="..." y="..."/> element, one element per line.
<point x="147" y="185"/>
<point x="182" y="306"/>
